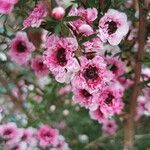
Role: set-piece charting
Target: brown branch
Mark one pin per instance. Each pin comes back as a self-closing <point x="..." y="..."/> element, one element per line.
<point x="129" y="121"/>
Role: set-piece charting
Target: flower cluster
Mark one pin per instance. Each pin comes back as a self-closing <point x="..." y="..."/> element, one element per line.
<point x="96" y="79"/>
<point x="30" y="138"/>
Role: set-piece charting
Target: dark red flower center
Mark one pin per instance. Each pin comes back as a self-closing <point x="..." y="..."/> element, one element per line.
<point x="61" y="57"/>
<point x="41" y="65"/>
<point x="7" y="132"/>
<point x="21" y="47"/>
<point x="113" y="68"/>
<point x="112" y="27"/>
<point x="91" y="73"/>
<point x="109" y="125"/>
<point x="109" y="99"/>
<point x="85" y="93"/>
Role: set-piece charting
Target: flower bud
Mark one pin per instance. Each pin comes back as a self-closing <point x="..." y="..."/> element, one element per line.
<point x="58" y="13"/>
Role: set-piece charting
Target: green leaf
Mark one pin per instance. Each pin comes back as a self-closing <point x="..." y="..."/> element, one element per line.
<point x="65" y="30"/>
<point x="68" y="10"/>
<point x="85" y="39"/>
<point x="71" y="18"/>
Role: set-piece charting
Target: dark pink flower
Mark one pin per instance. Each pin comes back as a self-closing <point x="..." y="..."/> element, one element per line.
<point x="93" y="74"/>
<point x="47" y="136"/>
<point x="20" y="48"/>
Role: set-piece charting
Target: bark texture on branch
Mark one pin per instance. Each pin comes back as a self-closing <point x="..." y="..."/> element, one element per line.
<point x="129" y="120"/>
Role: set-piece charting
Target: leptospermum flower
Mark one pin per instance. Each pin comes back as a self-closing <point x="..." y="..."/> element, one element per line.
<point x="109" y="127"/>
<point x="20" y="48"/>
<point x="98" y="115"/>
<point x="17" y="146"/>
<point x="113" y="26"/>
<point x="60" y="60"/>
<point x="29" y="136"/>
<point x="110" y="100"/>
<point x="47" y="136"/>
<point x="6" y="6"/>
<point x="83" y="25"/>
<point x="84" y="98"/>
<point x="39" y="67"/>
<point x="116" y="66"/>
<point x="36" y="17"/>
<point x="8" y="131"/>
<point x="93" y="74"/>
<point x="62" y="145"/>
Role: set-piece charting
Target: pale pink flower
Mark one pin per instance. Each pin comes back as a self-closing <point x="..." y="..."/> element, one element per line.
<point x="87" y="17"/>
<point x="126" y="83"/>
<point x="113" y="26"/>
<point x="116" y="66"/>
<point x="146" y="74"/>
<point x="29" y="136"/>
<point x="93" y="74"/>
<point x="58" y="13"/>
<point x="47" y="136"/>
<point x="36" y="16"/>
<point x="62" y="145"/>
<point x="94" y="45"/>
<point x="98" y="115"/>
<point x="85" y="29"/>
<point x="84" y="98"/>
<point x="17" y="146"/>
<point x="60" y="59"/>
<point x="20" y="48"/>
<point x="39" y="67"/>
<point x="38" y="98"/>
<point x="64" y="90"/>
<point x="109" y="127"/>
<point x="6" y="6"/>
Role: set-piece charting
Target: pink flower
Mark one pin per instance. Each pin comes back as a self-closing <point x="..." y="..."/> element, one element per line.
<point x="58" y="13"/>
<point x="39" y="67"/>
<point x="94" y="45"/>
<point x="109" y="127"/>
<point x="84" y="98"/>
<point x="110" y="100"/>
<point x="116" y="66"/>
<point x="87" y="17"/>
<point x="62" y="145"/>
<point x="98" y="115"/>
<point x="17" y="146"/>
<point x="60" y="60"/>
<point x="47" y="136"/>
<point x="36" y="17"/>
<point x="6" y="6"/>
<point x="64" y="90"/>
<point x="113" y="26"/>
<point x="86" y="29"/>
<point x="20" y="48"/>
<point x="9" y="131"/>
<point x="93" y="74"/>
